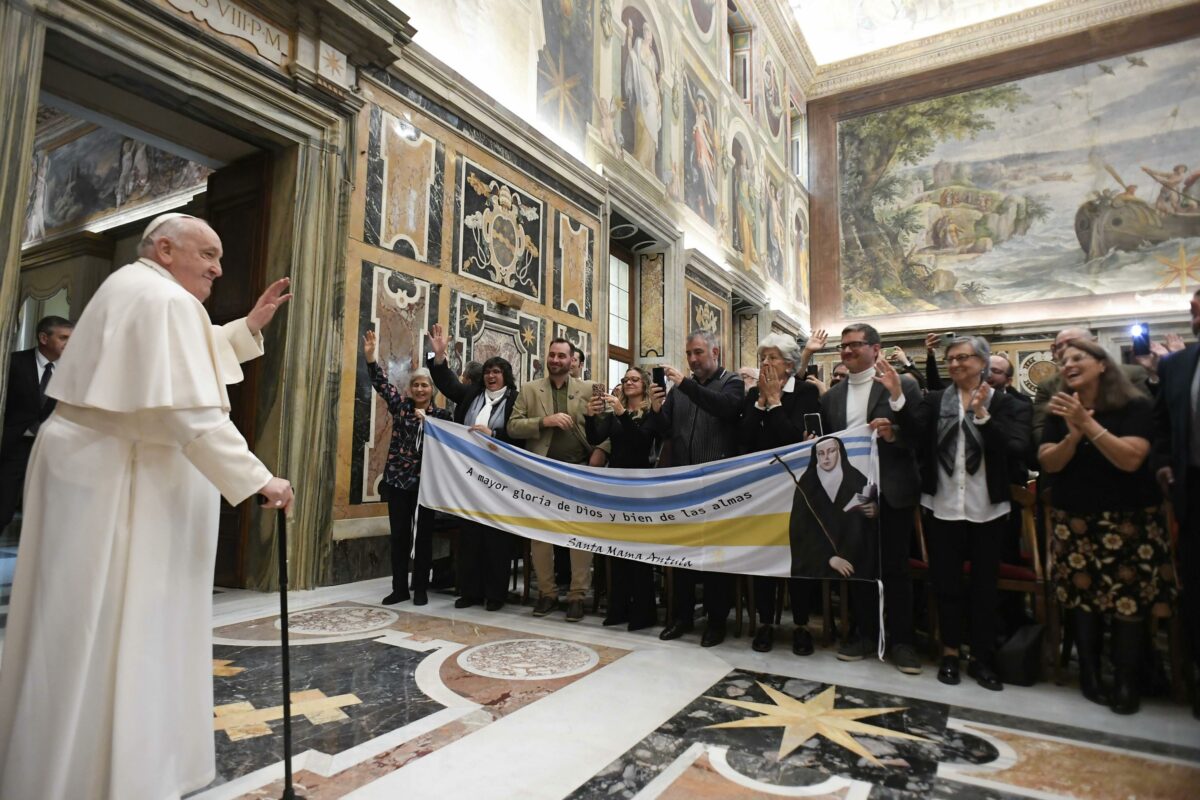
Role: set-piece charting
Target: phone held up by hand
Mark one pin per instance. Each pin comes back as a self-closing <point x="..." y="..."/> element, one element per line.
<point x="659" y="376"/>
<point x="812" y="424"/>
<point x="813" y="370"/>
<point x="1139" y="337"/>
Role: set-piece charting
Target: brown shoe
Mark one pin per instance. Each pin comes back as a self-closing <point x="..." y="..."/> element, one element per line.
<point x="545" y="605"/>
<point x="574" y="610"/>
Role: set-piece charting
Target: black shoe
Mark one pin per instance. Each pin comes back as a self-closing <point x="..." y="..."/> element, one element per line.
<point x="574" y="610"/>
<point x="764" y="639"/>
<point x="420" y="597"/>
<point x="714" y="634"/>
<point x="465" y="602"/>
<point x="802" y="642"/>
<point x="855" y="650"/>
<point x="948" y="672"/>
<point x="494" y="605"/>
<point x="394" y="597"/>
<point x="905" y="659"/>
<point x="545" y="605"/>
<point x="985" y="676"/>
<point x="674" y="630"/>
<point x="616" y="619"/>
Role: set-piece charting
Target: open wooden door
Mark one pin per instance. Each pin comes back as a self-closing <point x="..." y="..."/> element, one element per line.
<point x="238" y="210"/>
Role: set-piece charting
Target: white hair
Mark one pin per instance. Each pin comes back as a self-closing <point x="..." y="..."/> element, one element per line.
<point x="171" y="228"/>
<point x="787" y="346"/>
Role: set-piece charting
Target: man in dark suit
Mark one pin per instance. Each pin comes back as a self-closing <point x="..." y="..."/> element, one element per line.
<point x="26" y="407"/>
<point x="1176" y="457"/>
<point x="863" y="399"/>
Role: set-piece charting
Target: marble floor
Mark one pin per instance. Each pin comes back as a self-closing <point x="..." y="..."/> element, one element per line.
<point x="396" y="701"/>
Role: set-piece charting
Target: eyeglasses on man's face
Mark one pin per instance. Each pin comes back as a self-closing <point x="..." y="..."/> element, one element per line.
<point x="852" y="345"/>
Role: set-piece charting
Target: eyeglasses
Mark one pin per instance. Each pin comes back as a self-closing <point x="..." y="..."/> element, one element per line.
<point x="852" y="345"/>
<point x="959" y="358"/>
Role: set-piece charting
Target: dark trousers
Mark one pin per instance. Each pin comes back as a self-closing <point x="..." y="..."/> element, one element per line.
<point x="632" y="595"/>
<point x="895" y="544"/>
<point x="13" y="462"/>
<point x="766" y="590"/>
<point x="951" y="545"/>
<point x="718" y="594"/>
<point x="1188" y="553"/>
<point x="483" y="562"/>
<point x="402" y="505"/>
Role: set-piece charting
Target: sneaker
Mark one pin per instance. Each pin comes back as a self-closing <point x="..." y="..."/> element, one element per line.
<point x="855" y="650"/>
<point x="574" y="610"/>
<point x="545" y="605"/>
<point x="905" y="659"/>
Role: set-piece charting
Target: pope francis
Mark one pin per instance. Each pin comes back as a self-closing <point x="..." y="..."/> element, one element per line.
<point x="106" y="677"/>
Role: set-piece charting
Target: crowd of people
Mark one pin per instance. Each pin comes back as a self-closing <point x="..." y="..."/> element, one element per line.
<point x="949" y="451"/>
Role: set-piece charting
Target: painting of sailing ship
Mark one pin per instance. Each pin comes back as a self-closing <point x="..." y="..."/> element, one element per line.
<point x="1077" y="183"/>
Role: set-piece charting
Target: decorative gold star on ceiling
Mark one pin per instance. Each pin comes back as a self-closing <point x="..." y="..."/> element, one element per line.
<point x="1181" y="268"/>
<point x="471" y="318"/>
<point x="561" y="87"/>
<point x="802" y="720"/>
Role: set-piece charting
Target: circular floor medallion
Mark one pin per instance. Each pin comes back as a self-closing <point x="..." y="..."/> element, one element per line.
<point x="528" y="659"/>
<point x="339" y="620"/>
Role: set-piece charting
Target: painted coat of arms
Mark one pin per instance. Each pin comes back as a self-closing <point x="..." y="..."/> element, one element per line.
<point x="501" y="234"/>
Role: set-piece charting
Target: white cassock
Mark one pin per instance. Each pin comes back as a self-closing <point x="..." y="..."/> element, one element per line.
<point x="106" y="678"/>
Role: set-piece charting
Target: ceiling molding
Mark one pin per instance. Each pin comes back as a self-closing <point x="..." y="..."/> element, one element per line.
<point x="783" y="29"/>
<point x="1023" y="28"/>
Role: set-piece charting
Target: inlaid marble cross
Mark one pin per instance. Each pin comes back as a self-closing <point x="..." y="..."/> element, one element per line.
<point x="244" y="721"/>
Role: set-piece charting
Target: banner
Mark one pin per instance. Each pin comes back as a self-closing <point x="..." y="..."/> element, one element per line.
<point x="807" y="509"/>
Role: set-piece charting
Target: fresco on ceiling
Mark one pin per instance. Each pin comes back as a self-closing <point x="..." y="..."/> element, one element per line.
<point x="1076" y="183"/>
<point x="772" y="98"/>
<point x="700" y="149"/>
<point x="564" y="67"/>
<point x="641" y="90"/>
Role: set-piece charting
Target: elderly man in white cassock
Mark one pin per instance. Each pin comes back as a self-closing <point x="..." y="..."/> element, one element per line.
<point x="106" y="678"/>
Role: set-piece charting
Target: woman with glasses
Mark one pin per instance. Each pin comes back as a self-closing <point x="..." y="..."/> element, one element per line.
<point x="484" y="555"/>
<point x="970" y="443"/>
<point x="402" y="476"/>
<point x="773" y="415"/>
<point x="631" y="601"/>
<point x="1109" y="542"/>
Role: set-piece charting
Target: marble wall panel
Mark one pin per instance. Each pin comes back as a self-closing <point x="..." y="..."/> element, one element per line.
<point x="405" y="188"/>
<point x="574" y="266"/>
<point x="747" y="333"/>
<point x="705" y="315"/>
<point x="651" y="308"/>
<point x="400" y="309"/>
<point x="499" y="232"/>
<point x="480" y="329"/>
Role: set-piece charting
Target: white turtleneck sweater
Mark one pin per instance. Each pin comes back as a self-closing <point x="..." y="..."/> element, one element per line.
<point x="858" y="397"/>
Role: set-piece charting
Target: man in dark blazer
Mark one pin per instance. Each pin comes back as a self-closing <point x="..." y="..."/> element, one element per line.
<point x="27" y="407"/>
<point x="1176" y="457"/>
<point x="863" y="399"/>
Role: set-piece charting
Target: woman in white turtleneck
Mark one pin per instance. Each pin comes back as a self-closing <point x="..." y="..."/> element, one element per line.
<point x="484" y="553"/>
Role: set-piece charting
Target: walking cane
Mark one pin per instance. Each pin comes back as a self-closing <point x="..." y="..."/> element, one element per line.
<point x="289" y="792"/>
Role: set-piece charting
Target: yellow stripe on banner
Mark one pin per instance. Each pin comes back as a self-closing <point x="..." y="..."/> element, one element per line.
<point x="761" y="530"/>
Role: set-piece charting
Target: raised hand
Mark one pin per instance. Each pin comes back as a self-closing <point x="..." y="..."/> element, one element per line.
<point x="886" y="374"/>
<point x="979" y="400"/>
<point x="673" y="375"/>
<point x="437" y="340"/>
<point x="1175" y="343"/>
<point x="932" y="340"/>
<point x="817" y="382"/>
<point x="616" y="401"/>
<point x="657" y="396"/>
<point x="817" y="341"/>
<point x="595" y="406"/>
<point x="369" y="346"/>
<point x="268" y="303"/>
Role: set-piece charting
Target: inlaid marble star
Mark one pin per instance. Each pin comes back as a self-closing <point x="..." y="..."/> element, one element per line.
<point x="802" y="720"/>
<point x="1181" y="268"/>
<point x="333" y="63"/>
<point x="528" y="336"/>
<point x="221" y="668"/>
<point x="471" y="318"/>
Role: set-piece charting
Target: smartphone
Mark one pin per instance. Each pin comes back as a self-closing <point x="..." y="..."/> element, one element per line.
<point x="1139" y="334"/>
<point x="659" y="376"/>
<point x="812" y="424"/>
<point x="946" y="337"/>
<point x="597" y="390"/>
<point x="813" y="370"/>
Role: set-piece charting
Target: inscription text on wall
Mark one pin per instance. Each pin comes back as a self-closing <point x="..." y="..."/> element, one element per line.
<point x="227" y="17"/>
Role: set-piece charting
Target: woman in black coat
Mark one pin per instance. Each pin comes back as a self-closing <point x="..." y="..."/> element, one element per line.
<point x="634" y="446"/>
<point x="484" y="553"/>
<point x="773" y="416"/>
<point x="971" y="441"/>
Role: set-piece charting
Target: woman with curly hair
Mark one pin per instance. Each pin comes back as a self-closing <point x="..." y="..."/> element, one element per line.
<point x="1108" y="536"/>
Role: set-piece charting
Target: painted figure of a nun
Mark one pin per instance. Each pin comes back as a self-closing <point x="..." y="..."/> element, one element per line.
<point x="832" y="526"/>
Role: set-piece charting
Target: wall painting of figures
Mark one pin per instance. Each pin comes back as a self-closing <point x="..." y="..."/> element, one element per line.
<point x="773" y="94"/>
<point x="500" y="232"/>
<point x="744" y="203"/>
<point x="641" y="90"/>
<point x="400" y="309"/>
<point x="700" y="149"/>
<point x="776" y="238"/>
<point x="1077" y="183"/>
<point x="800" y="256"/>
<point x="564" y="71"/>
<point x="405" y="179"/>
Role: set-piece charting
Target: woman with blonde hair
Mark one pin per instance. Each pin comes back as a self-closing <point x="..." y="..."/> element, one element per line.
<point x="631" y="601"/>
<point x="1111" y="558"/>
